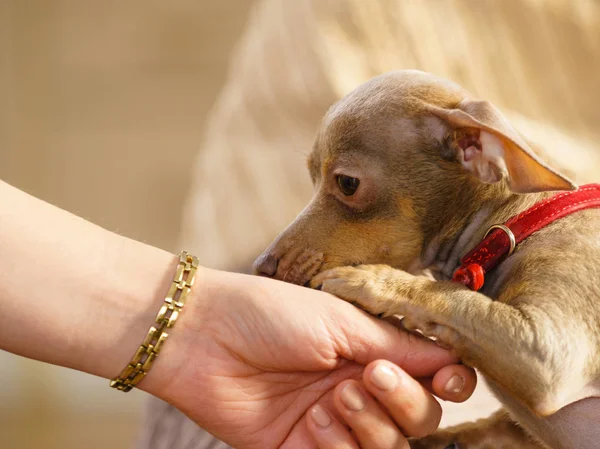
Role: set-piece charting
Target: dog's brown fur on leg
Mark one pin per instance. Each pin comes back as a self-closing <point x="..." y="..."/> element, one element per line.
<point x="409" y="173"/>
<point x="498" y="431"/>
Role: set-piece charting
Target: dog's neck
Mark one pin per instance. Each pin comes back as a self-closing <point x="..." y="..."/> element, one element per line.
<point x="442" y="256"/>
<point x="459" y="234"/>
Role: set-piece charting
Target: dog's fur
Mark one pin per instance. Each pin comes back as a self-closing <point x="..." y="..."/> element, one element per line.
<point x="436" y="169"/>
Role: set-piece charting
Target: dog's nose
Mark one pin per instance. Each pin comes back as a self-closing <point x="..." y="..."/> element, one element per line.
<point x="266" y="265"/>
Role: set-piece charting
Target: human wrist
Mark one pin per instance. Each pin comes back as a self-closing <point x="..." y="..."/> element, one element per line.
<point x="190" y="338"/>
<point x="137" y="281"/>
<point x="175" y="300"/>
<point x="122" y="305"/>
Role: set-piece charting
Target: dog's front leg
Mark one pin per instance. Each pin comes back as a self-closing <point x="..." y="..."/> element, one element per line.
<point x="498" y="431"/>
<point x="511" y="347"/>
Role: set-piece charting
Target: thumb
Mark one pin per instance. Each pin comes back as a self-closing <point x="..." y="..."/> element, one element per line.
<point x="362" y="338"/>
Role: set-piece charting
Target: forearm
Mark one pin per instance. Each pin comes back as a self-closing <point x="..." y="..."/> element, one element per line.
<point x="72" y="293"/>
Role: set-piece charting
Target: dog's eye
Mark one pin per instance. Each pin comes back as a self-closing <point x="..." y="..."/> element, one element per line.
<point x="347" y="184"/>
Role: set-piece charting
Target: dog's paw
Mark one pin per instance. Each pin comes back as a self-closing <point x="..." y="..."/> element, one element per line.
<point x="384" y="291"/>
<point x="378" y="289"/>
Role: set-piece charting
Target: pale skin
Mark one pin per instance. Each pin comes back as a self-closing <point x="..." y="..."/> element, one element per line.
<point x="257" y="362"/>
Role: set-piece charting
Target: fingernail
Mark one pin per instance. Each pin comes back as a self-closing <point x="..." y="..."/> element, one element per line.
<point x="455" y="385"/>
<point x="320" y="416"/>
<point x="384" y="378"/>
<point x="352" y="398"/>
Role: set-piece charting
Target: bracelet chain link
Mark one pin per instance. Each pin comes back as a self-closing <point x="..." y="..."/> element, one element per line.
<point x="176" y="298"/>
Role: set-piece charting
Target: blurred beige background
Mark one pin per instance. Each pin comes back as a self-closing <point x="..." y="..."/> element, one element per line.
<point x="102" y="105"/>
<point x="127" y="112"/>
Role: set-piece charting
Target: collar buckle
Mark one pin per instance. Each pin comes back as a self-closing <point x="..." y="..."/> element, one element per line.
<point x="508" y="232"/>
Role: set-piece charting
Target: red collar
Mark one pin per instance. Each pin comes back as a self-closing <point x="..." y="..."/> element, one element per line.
<point x="501" y="240"/>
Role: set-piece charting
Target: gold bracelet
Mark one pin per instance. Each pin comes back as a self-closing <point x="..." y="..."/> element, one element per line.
<point x="176" y="297"/>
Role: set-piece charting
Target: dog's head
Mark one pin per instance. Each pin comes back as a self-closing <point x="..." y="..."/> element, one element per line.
<point x="395" y="161"/>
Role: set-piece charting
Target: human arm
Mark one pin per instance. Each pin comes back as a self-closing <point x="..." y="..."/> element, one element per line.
<point x="247" y="357"/>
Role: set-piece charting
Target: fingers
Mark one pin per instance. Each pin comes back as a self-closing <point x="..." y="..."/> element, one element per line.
<point x="454" y="383"/>
<point x="408" y="403"/>
<point x="385" y="408"/>
<point x="327" y="431"/>
<point x="371" y="425"/>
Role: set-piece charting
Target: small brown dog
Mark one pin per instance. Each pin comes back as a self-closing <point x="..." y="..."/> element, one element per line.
<point x="409" y="173"/>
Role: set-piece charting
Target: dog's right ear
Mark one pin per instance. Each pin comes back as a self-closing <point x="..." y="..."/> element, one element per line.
<point x="485" y="143"/>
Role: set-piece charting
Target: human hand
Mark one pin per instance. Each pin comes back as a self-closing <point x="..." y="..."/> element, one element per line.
<point x="250" y="356"/>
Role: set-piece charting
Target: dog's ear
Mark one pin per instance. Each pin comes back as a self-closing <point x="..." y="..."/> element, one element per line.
<point x="485" y="143"/>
